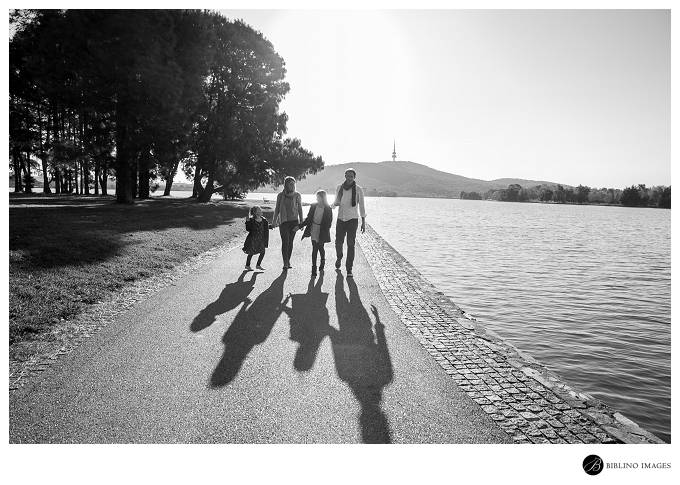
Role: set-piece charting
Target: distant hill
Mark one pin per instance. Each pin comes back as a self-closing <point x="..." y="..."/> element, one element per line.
<point x="405" y="179"/>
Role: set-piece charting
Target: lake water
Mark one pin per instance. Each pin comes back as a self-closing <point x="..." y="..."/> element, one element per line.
<point x="586" y="290"/>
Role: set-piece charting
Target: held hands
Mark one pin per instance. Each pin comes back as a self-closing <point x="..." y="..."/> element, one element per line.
<point x="363" y="227"/>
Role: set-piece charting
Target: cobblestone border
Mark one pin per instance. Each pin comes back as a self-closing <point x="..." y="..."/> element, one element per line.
<point x="72" y="333"/>
<point x="531" y="403"/>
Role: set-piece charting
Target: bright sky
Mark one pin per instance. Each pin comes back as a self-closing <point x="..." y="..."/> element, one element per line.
<point x="566" y="96"/>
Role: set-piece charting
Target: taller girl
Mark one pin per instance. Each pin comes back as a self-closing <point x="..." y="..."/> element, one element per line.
<point x="288" y="216"/>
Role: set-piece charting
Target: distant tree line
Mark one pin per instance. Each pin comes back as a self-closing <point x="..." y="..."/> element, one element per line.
<point x="373" y="192"/>
<point x="641" y="196"/>
<point x="634" y="196"/>
<point x="140" y="94"/>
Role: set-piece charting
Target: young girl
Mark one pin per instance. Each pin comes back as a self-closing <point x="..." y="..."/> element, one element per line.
<point x="318" y="226"/>
<point x="258" y="236"/>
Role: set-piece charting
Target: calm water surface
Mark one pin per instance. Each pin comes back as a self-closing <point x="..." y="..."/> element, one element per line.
<point x="585" y="290"/>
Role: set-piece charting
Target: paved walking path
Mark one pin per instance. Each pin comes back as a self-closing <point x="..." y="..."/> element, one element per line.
<point x="228" y="356"/>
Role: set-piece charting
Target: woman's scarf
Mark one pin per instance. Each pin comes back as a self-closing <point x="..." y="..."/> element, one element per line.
<point x="345" y="186"/>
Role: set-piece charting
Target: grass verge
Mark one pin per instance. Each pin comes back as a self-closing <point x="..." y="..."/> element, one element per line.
<point x="70" y="252"/>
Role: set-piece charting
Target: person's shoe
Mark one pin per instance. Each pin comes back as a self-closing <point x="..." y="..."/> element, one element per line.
<point x="338" y="263"/>
<point x="313" y="270"/>
<point x="248" y="268"/>
<point x="349" y="273"/>
<point x="259" y="267"/>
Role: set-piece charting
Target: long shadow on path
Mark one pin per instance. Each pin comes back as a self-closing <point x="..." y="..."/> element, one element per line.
<point x="362" y="359"/>
<point x="251" y="326"/>
<point x="308" y="323"/>
<point x="232" y="296"/>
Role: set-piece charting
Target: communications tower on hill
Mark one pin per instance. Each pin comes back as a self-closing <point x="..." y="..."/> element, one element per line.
<point x="394" y="151"/>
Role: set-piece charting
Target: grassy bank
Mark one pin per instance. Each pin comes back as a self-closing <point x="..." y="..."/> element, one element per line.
<point x="68" y="252"/>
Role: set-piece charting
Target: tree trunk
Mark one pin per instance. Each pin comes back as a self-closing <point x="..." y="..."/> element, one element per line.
<point x="86" y="177"/>
<point x="43" y="157"/>
<point x="170" y="179"/>
<point x="26" y="166"/>
<point x="56" y="136"/>
<point x="85" y="165"/>
<point x="144" y="173"/>
<point x="124" y="194"/>
<point x="46" y="178"/>
<point x="198" y="188"/>
<point x="207" y="192"/>
<point x="134" y="181"/>
<point x="57" y="181"/>
<point x="16" y="160"/>
<point x="96" y="177"/>
<point x="103" y="182"/>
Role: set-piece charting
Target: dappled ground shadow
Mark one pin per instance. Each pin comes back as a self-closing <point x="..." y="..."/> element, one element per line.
<point x="67" y="252"/>
<point x="232" y="295"/>
<point x="54" y="231"/>
<point x="251" y="326"/>
<point x="308" y="323"/>
<point x="362" y="359"/>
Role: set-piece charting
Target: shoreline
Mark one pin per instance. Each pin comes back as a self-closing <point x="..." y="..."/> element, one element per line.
<point x="488" y="368"/>
<point x="248" y="196"/>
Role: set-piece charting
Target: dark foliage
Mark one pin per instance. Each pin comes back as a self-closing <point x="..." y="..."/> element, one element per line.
<point x="134" y="94"/>
<point x="634" y="196"/>
<point x="471" y="195"/>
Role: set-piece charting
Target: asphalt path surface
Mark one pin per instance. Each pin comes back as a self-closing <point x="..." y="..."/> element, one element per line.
<point x="227" y="356"/>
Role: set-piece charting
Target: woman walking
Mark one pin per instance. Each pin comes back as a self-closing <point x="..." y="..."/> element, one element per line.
<point x="318" y="227"/>
<point x="350" y="200"/>
<point x="288" y="216"/>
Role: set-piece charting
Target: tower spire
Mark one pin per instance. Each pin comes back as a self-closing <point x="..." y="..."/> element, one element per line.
<point x="394" y="150"/>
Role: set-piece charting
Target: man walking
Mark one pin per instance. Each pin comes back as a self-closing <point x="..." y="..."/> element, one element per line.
<point x="349" y="197"/>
